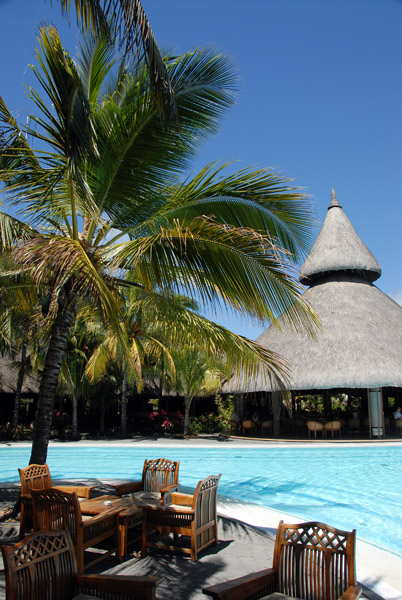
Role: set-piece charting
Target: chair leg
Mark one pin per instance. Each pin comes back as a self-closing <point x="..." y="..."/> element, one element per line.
<point x="144" y="535"/>
<point x="80" y="559"/>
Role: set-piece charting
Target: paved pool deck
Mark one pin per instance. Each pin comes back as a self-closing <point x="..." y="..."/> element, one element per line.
<point x="378" y="569"/>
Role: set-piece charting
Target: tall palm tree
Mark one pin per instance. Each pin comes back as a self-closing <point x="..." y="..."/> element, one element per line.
<point x="105" y="168"/>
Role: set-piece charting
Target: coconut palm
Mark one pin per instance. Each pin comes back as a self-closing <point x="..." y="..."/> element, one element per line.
<point x="104" y="169"/>
<point x="128" y="20"/>
<point x="195" y="376"/>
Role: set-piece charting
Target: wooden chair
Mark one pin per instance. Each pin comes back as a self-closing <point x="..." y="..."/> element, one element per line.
<point x="159" y="475"/>
<point x="315" y="426"/>
<point x="43" y="567"/>
<point x="267" y="425"/>
<point x="312" y="561"/>
<point x="37" y="477"/>
<point x="190" y="515"/>
<point x="354" y="425"/>
<point x="333" y="427"/>
<point x="398" y="426"/>
<point x="248" y="426"/>
<point x="55" y="510"/>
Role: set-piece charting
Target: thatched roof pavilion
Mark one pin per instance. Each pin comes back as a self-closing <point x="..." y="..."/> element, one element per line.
<point x="359" y="344"/>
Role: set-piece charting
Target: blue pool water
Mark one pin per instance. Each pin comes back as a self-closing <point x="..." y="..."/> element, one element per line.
<point x="354" y="487"/>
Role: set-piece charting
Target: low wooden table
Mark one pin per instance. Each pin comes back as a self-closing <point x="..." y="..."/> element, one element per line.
<point x="130" y="515"/>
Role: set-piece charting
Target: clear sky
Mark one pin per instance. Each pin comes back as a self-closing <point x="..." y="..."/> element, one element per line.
<point x="320" y="98"/>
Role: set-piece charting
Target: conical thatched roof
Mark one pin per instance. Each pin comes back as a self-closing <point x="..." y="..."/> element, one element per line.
<point x="359" y="344"/>
<point x="338" y="248"/>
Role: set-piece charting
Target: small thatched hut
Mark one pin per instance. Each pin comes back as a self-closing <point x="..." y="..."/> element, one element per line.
<point x="359" y="344"/>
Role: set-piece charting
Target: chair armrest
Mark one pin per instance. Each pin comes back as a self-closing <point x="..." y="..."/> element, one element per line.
<point x="25" y="497"/>
<point x="82" y="491"/>
<point x="123" y="586"/>
<point x="127" y="488"/>
<point x="352" y="593"/>
<point x="166" y="493"/>
<point x="180" y="498"/>
<point x="257" y="584"/>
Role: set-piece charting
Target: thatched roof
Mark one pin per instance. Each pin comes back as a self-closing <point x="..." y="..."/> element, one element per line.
<point x="359" y="344"/>
<point x="338" y="248"/>
<point x="8" y="379"/>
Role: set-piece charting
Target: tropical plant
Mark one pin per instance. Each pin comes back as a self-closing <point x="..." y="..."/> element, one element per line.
<point x="105" y="167"/>
<point x="195" y="376"/>
<point x="126" y="21"/>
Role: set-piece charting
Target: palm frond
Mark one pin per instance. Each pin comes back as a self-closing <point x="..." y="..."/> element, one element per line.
<point x="126" y="20"/>
<point x="219" y="262"/>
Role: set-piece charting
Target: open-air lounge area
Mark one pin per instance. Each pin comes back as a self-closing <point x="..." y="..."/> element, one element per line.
<point x="128" y="542"/>
<point x="200" y="355"/>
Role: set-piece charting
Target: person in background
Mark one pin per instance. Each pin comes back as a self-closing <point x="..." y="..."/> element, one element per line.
<point x="398" y="413"/>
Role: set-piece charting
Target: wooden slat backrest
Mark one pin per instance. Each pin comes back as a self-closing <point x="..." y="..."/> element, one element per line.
<point x="34" y="477"/>
<point x="314" y="561"/>
<point x="159" y="473"/>
<point x="55" y="510"/>
<point x="204" y="500"/>
<point x="40" y="567"/>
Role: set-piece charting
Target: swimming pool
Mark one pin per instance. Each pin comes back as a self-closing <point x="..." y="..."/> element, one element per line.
<point x="354" y="487"/>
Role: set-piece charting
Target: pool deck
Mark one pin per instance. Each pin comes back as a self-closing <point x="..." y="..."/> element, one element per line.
<point x="253" y="527"/>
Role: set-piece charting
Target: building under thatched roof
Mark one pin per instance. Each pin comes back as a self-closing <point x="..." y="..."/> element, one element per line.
<point x="359" y="344"/>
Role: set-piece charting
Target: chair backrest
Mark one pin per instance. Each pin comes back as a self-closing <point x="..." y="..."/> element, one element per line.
<point x="315" y="426"/>
<point x="204" y="500"/>
<point x="34" y="477"/>
<point x="159" y="473"/>
<point x="40" y="567"/>
<point x="54" y="510"/>
<point x="314" y="561"/>
<point x="247" y="424"/>
<point x="333" y="425"/>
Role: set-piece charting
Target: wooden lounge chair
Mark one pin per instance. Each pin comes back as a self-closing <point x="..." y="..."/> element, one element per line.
<point x="55" y="510"/>
<point x="190" y="515"/>
<point x="311" y="561"/>
<point x="43" y="567"/>
<point x="159" y="476"/>
<point x="37" y="477"/>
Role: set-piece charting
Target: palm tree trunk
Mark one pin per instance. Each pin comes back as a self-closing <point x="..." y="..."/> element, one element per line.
<point x="187" y="404"/>
<point x="123" y="415"/>
<point x="74" y="418"/>
<point x="48" y="384"/>
<point x="17" y="399"/>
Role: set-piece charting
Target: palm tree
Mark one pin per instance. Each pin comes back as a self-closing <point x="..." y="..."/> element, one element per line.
<point x="195" y="376"/>
<point x="105" y="168"/>
<point x="128" y="20"/>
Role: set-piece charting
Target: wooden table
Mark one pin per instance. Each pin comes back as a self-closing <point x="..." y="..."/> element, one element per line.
<point x="130" y="515"/>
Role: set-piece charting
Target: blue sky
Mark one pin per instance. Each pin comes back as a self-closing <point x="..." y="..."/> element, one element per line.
<point x="320" y="98"/>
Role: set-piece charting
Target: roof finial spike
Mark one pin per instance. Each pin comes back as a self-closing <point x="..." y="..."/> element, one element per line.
<point x="334" y="201"/>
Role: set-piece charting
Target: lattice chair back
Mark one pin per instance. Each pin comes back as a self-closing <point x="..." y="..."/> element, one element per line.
<point x="55" y="510"/>
<point x="204" y="505"/>
<point x="34" y="477"/>
<point x="40" y="567"/>
<point x="314" y="561"/>
<point x="159" y="473"/>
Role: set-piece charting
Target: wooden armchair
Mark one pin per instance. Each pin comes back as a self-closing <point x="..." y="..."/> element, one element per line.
<point x="55" y="510"/>
<point x="37" y="477"/>
<point x="190" y="515"/>
<point x="159" y="476"/>
<point x="312" y="561"/>
<point x="43" y="567"/>
<point x="314" y="426"/>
